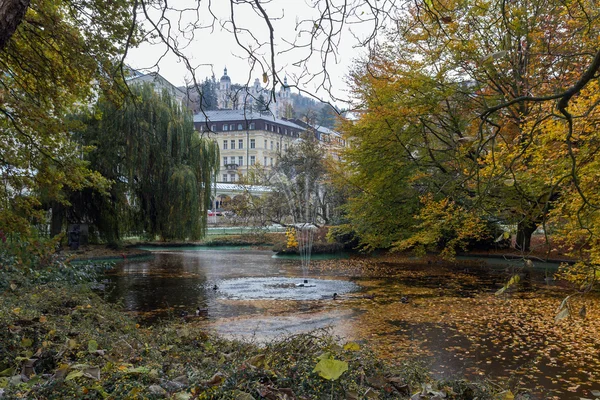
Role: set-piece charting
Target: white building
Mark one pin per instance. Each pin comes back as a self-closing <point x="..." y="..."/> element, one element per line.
<point x="246" y="139"/>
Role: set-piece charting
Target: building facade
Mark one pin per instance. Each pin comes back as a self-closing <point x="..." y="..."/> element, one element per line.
<point x="159" y="82"/>
<point x="246" y="140"/>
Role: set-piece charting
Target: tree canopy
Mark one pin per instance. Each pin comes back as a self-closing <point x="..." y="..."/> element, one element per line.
<point x="60" y="56"/>
<point x="474" y="102"/>
<point x="161" y="169"/>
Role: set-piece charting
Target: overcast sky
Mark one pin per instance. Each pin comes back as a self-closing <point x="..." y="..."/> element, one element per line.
<point x="210" y="49"/>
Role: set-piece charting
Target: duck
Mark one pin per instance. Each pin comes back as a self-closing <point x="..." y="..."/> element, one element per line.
<point x="335" y="296"/>
<point x="201" y="311"/>
<point x="215" y="287"/>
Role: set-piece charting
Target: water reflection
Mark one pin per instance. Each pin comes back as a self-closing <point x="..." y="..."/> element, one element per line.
<point x="185" y="279"/>
<point x="451" y="318"/>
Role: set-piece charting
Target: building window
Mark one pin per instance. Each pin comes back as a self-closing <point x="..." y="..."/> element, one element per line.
<point x="271" y="145"/>
<point x="241" y="144"/>
<point x="233" y="145"/>
<point x="240" y="127"/>
<point x="225" y="127"/>
<point x="224" y="160"/>
<point x="272" y="128"/>
<point x="271" y="161"/>
<point x="224" y="144"/>
<point x="252" y="160"/>
<point x="277" y="146"/>
<point x="266" y="127"/>
<point x="285" y="131"/>
<point x="265" y="143"/>
<point x="252" y="143"/>
<point x="240" y="161"/>
<point x="278" y="129"/>
<point x="213" y="128"/>
<point x="232" y="127"/>
<point x="224" y="177"/>
<point x="251" y="125"/>
<point x="232" y="177"/>
<point x="265" y="163"/>
<point x="285" y="146"/>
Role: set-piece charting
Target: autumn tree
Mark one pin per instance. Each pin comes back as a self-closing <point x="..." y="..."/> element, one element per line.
<point x="460" y="94"/>
<point x="59" y="56"/>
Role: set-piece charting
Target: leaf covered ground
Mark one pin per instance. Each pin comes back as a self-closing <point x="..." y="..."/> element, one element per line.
<point x="62" y="341"/>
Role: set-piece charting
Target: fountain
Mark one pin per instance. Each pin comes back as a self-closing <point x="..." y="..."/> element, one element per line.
<point x="298" y="179"/>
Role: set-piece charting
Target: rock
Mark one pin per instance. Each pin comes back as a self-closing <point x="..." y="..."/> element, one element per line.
<point x="156" y="390"/>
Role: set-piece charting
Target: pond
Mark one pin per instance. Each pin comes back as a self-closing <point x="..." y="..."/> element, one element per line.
<point x="444" y="314"/>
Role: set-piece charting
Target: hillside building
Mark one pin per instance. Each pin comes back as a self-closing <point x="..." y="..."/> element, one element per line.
<point x="246" y="139"/>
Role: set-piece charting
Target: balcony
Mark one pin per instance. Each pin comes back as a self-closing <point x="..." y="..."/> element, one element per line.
<point x="231" y="167"/>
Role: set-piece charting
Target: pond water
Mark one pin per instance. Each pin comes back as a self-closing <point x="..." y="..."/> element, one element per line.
<point x="446" y="315"/>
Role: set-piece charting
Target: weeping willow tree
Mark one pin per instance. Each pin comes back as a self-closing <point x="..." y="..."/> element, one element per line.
<point x="160" y="167"/>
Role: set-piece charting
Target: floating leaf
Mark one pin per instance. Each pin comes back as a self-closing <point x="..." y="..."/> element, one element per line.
<point x="331" y="369"/>
<point x="563" y="303"/>
<point x="562" y="315"/>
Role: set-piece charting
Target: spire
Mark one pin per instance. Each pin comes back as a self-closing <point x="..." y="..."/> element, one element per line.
<point x="225" y="71"/>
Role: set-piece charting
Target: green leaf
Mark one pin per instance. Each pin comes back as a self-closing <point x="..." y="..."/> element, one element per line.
<point x="331" y="369"/>
<point x="8" y="372"/>
<point x="26" y="342"/>
<point x="92" y="346"/>
<point x="352" y="346"/>
<point x="138" y="370"/>
<point x="73" y="375"/>
<point x="325" y="356"/>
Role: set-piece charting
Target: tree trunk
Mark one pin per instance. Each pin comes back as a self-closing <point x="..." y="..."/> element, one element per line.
<point x="56" y="222"/>
<point x="11" y="15"/>
<point x="525" y="229"/>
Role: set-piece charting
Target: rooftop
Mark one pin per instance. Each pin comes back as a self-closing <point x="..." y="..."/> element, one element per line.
<point x="240" y="115"/>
